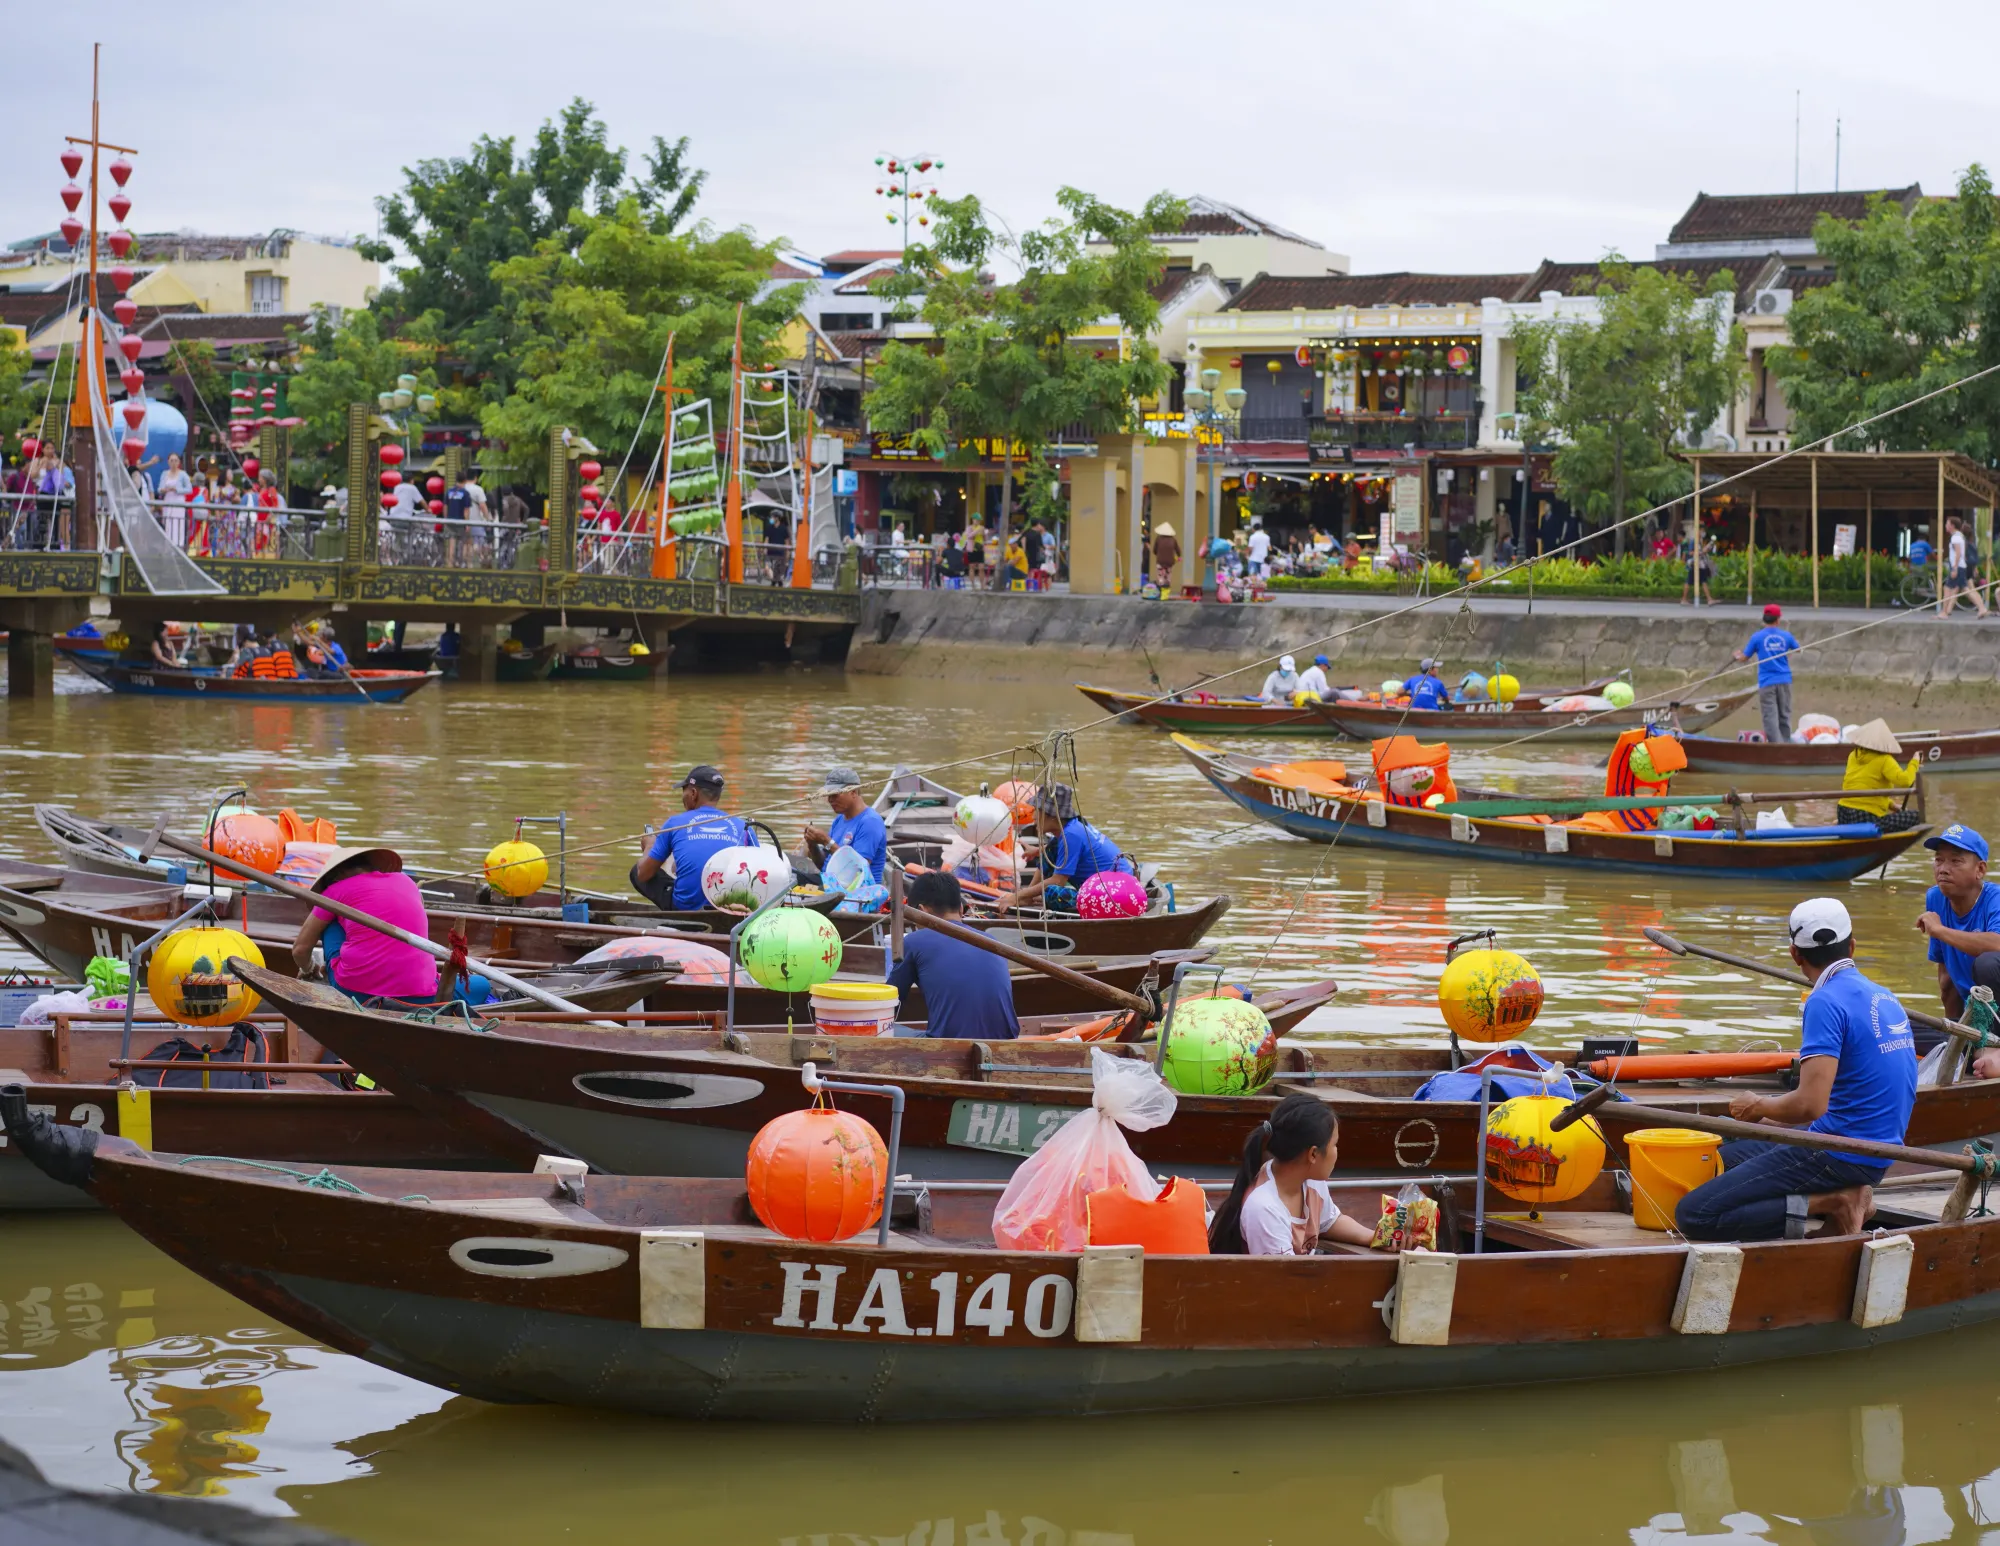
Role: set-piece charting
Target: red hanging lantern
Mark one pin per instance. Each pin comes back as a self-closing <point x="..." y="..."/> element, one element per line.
<point x="120" y="242"/>
<point x="290" y="423"/>
<point x="119" y="205"/>
<point x="134" y="379"/>
<point x="390" y="478"/>
<point x="133" y="450"/>
<point x="436" y="507"/>
<point x="590" y="471"/>
<point x="434" y="485"/>
<point x="121" y="276"/>
<point x="251" y="466"/>
<point x="392" y="455"/>
<point x="129" y="346"/>
<point x="72" y="160"/>
<point x="121" y="169"/>
<point x="72" y="229"/>
<point x="126" y="310"/>
<point x="134" y="409"/>
<point x="71" y="196"/>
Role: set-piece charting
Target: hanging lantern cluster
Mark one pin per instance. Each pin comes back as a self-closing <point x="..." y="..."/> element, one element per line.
<point x="125" y="309"/>
<point x="901" y="176"/>
<point x="591" y="494"/>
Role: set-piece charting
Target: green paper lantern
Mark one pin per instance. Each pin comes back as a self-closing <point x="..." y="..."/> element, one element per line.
<point x="1619" y="695"/>
<point x="1220" y="1046"/>
<point x="791" y="949"/>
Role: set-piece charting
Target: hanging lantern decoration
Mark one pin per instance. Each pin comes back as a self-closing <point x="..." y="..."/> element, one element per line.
<point x="72" y="160"/>
<point x="251" y="466"/>
<point x="189" y="979"/>
<point x="385" y="400"/>
<point x="406" y="383"/>
<point x="71" y="196"/>
<point x="401" y="397"/>
<point x="122" y="277"/>
<point x="134" y="409"/>
<point x="434" y="485"/>
<point x="818" y="1174"/>
<point x="292" y="421"/>
<point x="31" y="447"/>
<point x="133" y="379"/>
<point x="126" y="310"/>
<point x="590" y="471"/>
<point x="133" y="450"/>
<point x="390" y="478"/>
<point x="121" y="171"/>
<point x="120" y="206"/>
<point x="425" y="403"/>
<point x="436" y="507"/>
<point x="129" y="345"/>
<point x="72" y="229"/>
<point x="392" y="455"/>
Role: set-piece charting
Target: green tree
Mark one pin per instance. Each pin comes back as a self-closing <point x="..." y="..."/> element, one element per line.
<point x="1915" y="307"/>
<point x="589" y="327"/>
<point x="351" y="363"/>
<point x="459" y="218"/>
<point x="193" y="360"/>
<point x="20" y="403"/>
<point x="1621" y="392"/>
<point x="1008" y="362"/>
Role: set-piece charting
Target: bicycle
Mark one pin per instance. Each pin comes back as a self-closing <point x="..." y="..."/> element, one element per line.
<point x="1919" y="590"/>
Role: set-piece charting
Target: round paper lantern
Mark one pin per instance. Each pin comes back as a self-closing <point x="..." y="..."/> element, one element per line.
<point x="791" y="949"/>
<point x="120" y="205"/>
<point x="698" y="963"/>
<point x="120" y="242"/>
<point x="126" y="310"/>
<point x="436" y="507"/>
<point x="434" y="485"/>
<point x="31" y="447"/>
<point x="71" y="196"/>
<point x="190" y="981"/>
<point x="981" y="819"/>
<point x="1488" y="994"/>
<point x="746" y="876"/>
<point x="818" y="1174"/>
<point x="1642" y="766"/>
<point x="1220" y="1046"/>
<point x="589" y="471"/>
<point x="1503" y="688"/>
<point x="390" y="478"/>
<point x="1619" y="695"/>
<point x="121" y="170"/>
<point x="516" y="868"/>
<point x="250" y="839"/>
<point x="122" y="277"/>
<point x="133" y="449"/>
<point x="1530" y="1161"/>
<point x="72" y="229"/>
<point x="1018" y="795"/>
<point x="392" y="454"/>
<point x="132" y="379"/>
<point x="72" y="160"/>
<point x="251" y="466"/>
<point x="1391" y="687"/>
<point x="1110" y="894"/>
<point x="134" y="410"/>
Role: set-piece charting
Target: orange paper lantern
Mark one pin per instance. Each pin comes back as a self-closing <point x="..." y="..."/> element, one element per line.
<point x="817" y="1174"/>
<point x="250" y="839"/>
<point x="1018" y="795"/>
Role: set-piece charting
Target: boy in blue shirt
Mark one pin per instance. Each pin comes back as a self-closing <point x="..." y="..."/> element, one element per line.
<point x="1072" y="849"/>
<point x="701" y="829"/>
<point x="1857" y="1079"/>
<point x="1771" y="647"/>
<point x="967" y="992"/>
<point x="855" y="825"/>
<point x="1961" y="919"/>
<point x="1426" y="688"/>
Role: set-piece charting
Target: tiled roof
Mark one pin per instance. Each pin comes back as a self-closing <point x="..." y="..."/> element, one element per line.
<point x="783" y="270"/>
<point x="1775" y="216"/>
<point x="1213" y="217"/>
<point x="1584" y="278"/>
<point x="854" y="257"/>
<point x="1324" y="291"/>
<point x="857" y="346"/>
<point x="230" y="327"/>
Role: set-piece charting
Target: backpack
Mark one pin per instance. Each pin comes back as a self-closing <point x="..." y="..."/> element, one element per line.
<point x="245" y="1045"/>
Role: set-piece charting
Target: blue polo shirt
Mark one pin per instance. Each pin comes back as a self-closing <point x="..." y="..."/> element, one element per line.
<point x="689" y="838"/>
<point x="866" y="835"/>
<point x="1771" y="648"/>
<point x="1861" y="1024"/>
<point x="1425" y="690"/>
<point x="1081" y="852"/>
<point x="967" y="993"/>
<point x="1983" y="917"/>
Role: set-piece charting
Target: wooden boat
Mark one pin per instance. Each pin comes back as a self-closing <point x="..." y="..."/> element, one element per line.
<point x="1210" y="714"/>
<point x="604" y="666"/>
<point x="1476" y="723"/>
<point x="667" y="1296"/>
<point x="1942" y="751"/>
<point x="209" y="682"/>
<point x="1361" y="820"/>
<point x="401" y="657"/>
<point x="525" y="665"/>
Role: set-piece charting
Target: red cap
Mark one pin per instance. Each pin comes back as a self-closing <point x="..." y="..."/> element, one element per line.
<point x="1773" y="612"/>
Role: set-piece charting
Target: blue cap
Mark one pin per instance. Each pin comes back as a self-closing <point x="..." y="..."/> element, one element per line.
<point x="1958" y="835"/>
<point x="1320" y="660"/>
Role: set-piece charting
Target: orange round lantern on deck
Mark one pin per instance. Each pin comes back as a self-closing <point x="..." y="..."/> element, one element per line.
<point x="250" y="839"/>
<point x="817" y="1174"/>
<point x="1018" y="795"/>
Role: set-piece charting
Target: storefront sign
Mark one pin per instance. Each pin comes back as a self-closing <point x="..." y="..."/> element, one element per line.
<point x="1174" y="427"/>
<point x="1843" y="541"/>
<point x="902" y="448"/>
<point x="846" y="481"/>
<point x="1406" y="500"/>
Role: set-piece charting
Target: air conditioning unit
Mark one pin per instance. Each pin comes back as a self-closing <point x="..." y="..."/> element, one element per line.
<point x="1772" y="303"/>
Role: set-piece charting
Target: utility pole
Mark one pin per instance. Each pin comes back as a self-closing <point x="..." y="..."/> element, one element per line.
<point x="1836" y="155"/>
<point x="1796" y="97"/>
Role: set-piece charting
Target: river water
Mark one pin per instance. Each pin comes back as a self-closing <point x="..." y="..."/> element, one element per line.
<point x="119" y="1369"/>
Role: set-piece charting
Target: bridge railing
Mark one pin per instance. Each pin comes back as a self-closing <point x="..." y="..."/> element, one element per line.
<point x="250" y="531"/>
<point x="627" y="551"/>
<point x="39" y="523"/>
<point x="430" y="542"/>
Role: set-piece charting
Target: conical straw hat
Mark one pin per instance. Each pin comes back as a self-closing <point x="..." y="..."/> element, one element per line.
<point x="1876" y="736"/>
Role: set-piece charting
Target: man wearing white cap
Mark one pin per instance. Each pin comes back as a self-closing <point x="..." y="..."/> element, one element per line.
<point x="1281" y="683"/>
<point x="1857" y="1079"/>
<point x="1426" y="689"/>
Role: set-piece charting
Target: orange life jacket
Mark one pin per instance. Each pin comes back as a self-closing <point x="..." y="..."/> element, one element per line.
<point x="1620" y="783"/>
<point x="1398" y="752"/>
<point x="1173" y="1224"/>
<point x="276" y="666"/>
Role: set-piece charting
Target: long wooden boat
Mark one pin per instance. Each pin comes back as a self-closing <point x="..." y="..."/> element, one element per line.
<point x="595" y="666"/>
<point x="1210" y="714"/>
<point x="668" y="1296"/>
<point x="153" y="681"/>
<point x="526" y="665"/>
<point x="401" y="657"/>
<point x="1364" y="821"/>
<point x="1942" y="751"/>
<point x="1476" y="724"/>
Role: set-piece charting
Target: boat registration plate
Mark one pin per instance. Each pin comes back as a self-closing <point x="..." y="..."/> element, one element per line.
<point x="1005" y="1126"/>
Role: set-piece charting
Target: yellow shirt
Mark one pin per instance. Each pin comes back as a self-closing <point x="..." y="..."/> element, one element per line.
<point x="1875" y="770"/>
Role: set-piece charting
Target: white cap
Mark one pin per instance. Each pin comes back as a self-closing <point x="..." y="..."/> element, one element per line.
<point x="1820" y="920"/>
<point x="1286" y="663"/>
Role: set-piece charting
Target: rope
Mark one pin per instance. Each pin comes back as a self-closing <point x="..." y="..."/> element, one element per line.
<point x="324" y="1181"/>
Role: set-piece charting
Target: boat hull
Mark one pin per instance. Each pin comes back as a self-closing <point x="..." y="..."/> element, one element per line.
<point x="1494" y="723"/>
<point x="356" y="687"/>
<point x="574" y="667"/>
<point x="1974" y="751"/>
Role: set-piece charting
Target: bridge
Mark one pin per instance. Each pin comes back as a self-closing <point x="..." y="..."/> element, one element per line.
<point x="360" y="567"/>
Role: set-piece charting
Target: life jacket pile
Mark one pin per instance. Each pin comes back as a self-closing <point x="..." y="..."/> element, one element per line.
<point x="1398" y="753"/>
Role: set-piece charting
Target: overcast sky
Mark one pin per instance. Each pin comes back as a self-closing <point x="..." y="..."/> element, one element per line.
<point x="1453" y="136"/>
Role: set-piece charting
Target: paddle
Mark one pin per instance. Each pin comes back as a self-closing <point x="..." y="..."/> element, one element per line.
<point x="354" y="915"/>
<point x="342" y="669"/>
<point x="1674" y="946"/>
<point x="1972" y="1168"/>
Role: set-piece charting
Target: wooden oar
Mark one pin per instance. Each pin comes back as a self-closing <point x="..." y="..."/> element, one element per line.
<point x="1972" y="1167"/>
<point x="917" y="918"/>
<point x="354" y="915"/>
<point x="1678" y="947"/>
<point x="342" y="669"/>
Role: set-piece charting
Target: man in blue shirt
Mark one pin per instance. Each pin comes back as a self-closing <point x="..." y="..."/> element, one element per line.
<point x="1961" y="919"/>
<point x="1426" y="688"/>
<point x="1771" y="647"/>
<point x="701" y="829"/>
<point x="967" y="992"/>
<point x="1072" y="849"/>
<point x="1857" y="1079"/>
<point x="855" y="825"/>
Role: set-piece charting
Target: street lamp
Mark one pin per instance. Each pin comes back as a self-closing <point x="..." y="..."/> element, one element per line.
<point x="1204" y="418"/>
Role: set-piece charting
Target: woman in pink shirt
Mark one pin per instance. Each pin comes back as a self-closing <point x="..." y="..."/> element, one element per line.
<point x="361" y="961"/>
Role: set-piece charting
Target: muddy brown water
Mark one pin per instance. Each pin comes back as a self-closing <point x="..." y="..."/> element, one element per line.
<point x="119" y="1369"/>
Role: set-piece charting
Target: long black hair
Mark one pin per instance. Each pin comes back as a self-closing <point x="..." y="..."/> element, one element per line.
<point x="1297" y="1123"/>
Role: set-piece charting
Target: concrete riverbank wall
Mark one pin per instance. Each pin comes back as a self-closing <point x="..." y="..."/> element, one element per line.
<point x="1115" y="640"/>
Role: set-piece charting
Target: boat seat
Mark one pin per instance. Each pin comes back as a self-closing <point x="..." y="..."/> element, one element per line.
<point x="1566" y="1231"/>
<point x="522" y="1210"/>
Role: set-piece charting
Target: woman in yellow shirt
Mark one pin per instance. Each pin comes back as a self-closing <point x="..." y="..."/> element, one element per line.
<point x="1872" y="765"/>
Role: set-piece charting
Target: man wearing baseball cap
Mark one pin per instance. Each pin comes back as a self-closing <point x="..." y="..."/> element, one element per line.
<point x="1313" y="678"/>
<point x="1961" y="919"/>
<point x="855" y="825"/>
<point x="1771" y="647"/>
<point x="687" y="839"/>
<point x="1426" y="688"/>
<point x="1857" y="1079"/>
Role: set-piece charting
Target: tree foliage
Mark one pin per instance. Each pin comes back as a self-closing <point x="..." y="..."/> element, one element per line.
<point x="352" y="363"/>
<point x="588" y="325"/>
<point x="1009" y="362"/>
<point x="20" y="402"/>
<point x="1915" y="306"/>
<point x="1621" y="392"/>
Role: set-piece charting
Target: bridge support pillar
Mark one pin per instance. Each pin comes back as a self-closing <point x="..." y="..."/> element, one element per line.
<point x="478" y="651"/>
<point x="350" y="631"/>
<point x="31" y="664"/>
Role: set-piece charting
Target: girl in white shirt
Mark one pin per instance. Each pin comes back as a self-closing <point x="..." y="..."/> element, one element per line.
<point x="1281" y="1204"/>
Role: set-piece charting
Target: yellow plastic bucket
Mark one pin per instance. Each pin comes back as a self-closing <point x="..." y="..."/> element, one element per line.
<point x="1668" y="1163"/>
<point x="854" y="1008"/>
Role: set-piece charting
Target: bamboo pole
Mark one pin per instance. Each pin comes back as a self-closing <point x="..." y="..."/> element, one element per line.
<point x="1938" y="532"/>
<point x="1750" y="557"/>
<point x="1815" y="530"/>
<point x="1694" y="511"/>
<point x="1868" y="558"/>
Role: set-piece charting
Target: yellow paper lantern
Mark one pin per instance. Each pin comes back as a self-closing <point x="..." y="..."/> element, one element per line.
<point x="1531" y="1162"/>
<point x="516" y="868"/>
<point x="1488" y="994"/>
<point x="1503" y="688"/>
<point x="190" y="981"/>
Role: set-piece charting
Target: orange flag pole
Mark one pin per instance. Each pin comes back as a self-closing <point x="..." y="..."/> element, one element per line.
<point x="732" y="508"/>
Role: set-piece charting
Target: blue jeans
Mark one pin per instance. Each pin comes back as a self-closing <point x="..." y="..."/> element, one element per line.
<point x="1747" y="1201"/>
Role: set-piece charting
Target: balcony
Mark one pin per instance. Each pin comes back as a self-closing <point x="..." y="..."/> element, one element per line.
<point x="1396" y="432"/>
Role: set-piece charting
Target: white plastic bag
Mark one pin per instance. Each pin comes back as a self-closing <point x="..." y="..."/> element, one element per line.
<point x="44" y="1009"/>
<point x="1930" y="1067"/>
<point x="1773" y="820"/>
<point x="1043" y="1206"/>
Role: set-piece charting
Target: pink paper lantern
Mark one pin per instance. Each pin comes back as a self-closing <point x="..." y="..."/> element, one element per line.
<point x="119" y="205"/>
<point x="133" y="449"/>
<point x="134" y="410"/>
<point x="126" y="310"/>
<point x="120" y="241"/>
<point x="129" y="346"/>
<point x="134" y="379"/>
<point x="122" y="277"/>
<point x="71" y="196"/>
<point x="121" y="169"/>
<point x="1110" y="894"/>
<point x="72" y="229"/>
<point x="72" y="160"/>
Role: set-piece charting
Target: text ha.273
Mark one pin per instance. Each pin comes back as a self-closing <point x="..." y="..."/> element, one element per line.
<point x="819" y="1296"/>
